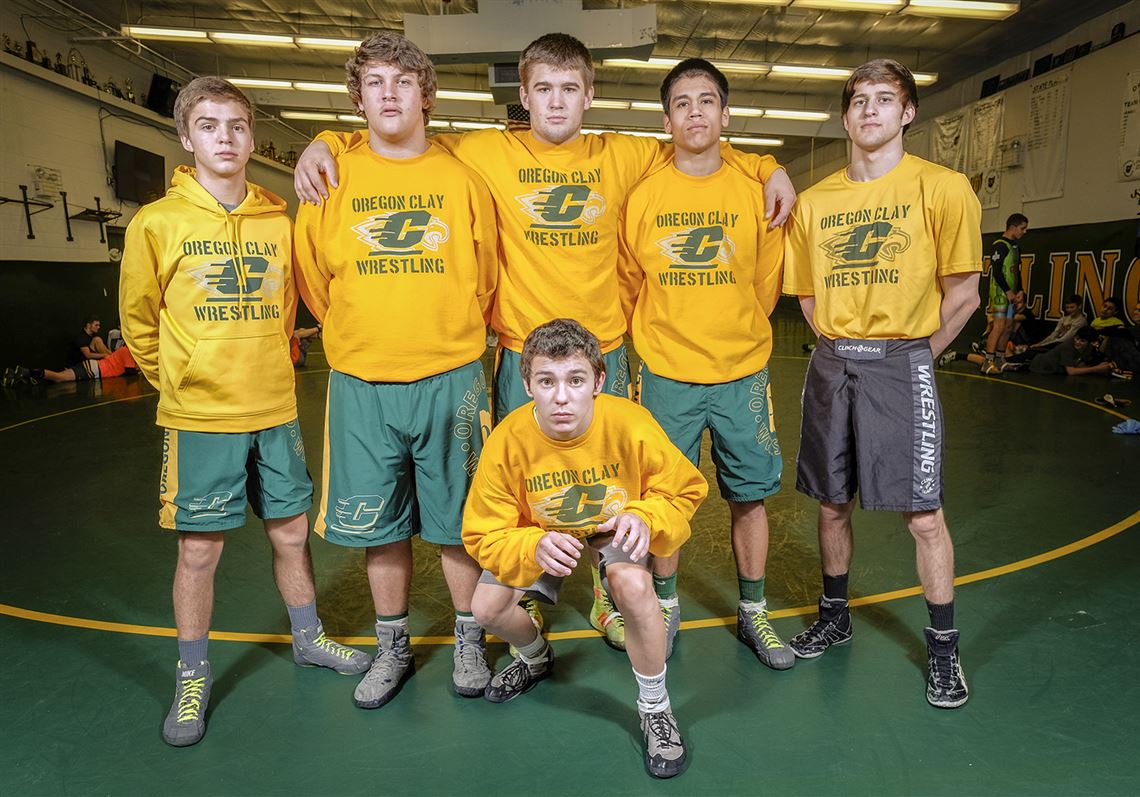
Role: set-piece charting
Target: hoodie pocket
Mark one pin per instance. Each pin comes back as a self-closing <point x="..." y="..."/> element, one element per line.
<point x="237" y="376"/>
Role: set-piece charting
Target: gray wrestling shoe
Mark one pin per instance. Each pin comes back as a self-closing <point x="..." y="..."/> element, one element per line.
<point x="311" y="648"/>
<point x="755" y="631"/>
<point x="665" y="755"/>
<point x="471" y="673"/>
<point x="394" y="664"/>
<point x="186" y="722"/>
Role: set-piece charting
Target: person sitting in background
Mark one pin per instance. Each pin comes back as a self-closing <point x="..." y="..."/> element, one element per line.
<point x="1111" y="314"/>
<point x="1067" y="325"/>
<point x="117" y="363"/>
<point x="86" y="343"/>
<point x="1077" y="356"/>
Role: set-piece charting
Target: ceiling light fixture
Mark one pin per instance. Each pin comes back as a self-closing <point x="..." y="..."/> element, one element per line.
<point x="260" y="83"/>
<point x="969" y="9"/>
<point x="165" y="34"/>
<point x="793" y="115"/>
<point x="311" y="116"/>
<point x="317" y="43"/>
<point x="756" y="141"/>
<point x="884" y="6"/>
<point x="453" y="94"/>
<point x="328" y="88"/>
<point x="260" y="39"/>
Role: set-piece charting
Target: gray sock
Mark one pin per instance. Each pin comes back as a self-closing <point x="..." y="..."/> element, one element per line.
<point x="301" y="617"/>
<point x="191" y="652"/>
<point x="535" y="651"/>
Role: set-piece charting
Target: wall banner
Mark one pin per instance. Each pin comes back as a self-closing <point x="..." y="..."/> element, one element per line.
<point x="948" y="138"/>
<point x="1129" y="162"/>
<point x="983" y="158"/>
<point x="1048" y="138"/>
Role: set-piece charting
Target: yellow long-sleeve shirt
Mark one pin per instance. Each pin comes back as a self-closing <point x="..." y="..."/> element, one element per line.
<point x="558" y="211"/>
<point x="528" y="484"/>
<point x="400" y="264"/>
<point x="207" y="304"/>
<point x="700" y="274"/>
<point x="872" y="253"/>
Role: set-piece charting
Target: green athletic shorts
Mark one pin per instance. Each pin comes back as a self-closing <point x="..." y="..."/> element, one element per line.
<point x="510" y="393"/>
<point x="399" y="456"/>
<point x="740" y="420"/>
<point x="207" y="477"/>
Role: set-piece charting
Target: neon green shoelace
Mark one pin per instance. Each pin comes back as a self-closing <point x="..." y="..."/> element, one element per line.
<point x="767" y="634"/>
<point x="191" y="700"/>
<point x="335" y="648"/>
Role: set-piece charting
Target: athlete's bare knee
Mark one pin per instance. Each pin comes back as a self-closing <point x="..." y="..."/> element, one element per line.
<point x="835" y="515"/>
<point x="926" y="526"/>
<point x="199" y="551"/>
<point x="631" y="585"/>
<point x="491" y="605"/>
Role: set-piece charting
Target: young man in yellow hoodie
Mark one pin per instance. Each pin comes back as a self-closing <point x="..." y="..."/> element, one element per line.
<point x="400" y="265"/>
<point x="700" y="273"/>
<point x="557" y="192"/>
<point x="570" y="470"/>
<point x="207" y="302"/>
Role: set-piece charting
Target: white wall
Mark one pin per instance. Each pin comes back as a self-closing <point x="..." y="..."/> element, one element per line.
<point x="55" y="122"/>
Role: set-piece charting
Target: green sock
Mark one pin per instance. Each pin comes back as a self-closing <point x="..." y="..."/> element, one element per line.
<point x="665" y="586"/>
<point x="751" y="590"/>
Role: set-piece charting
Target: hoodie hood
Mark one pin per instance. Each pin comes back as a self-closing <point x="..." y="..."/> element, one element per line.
<point x="184" y="184"/>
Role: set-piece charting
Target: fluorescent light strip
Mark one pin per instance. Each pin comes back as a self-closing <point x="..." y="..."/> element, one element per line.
<point x="328" y="88"/>
<point x="167" y="34"/>
<point x="758" y="142"/>
<point x="961" y="8"/>
<point x="477" y="96"/>
<point x="311" y="116"/>
<point x="746" y="111"/>
<point x="851" y="5"/>
<point x="260" y="83"/>
<point x="260" y="39"/>
<point x="604" y="104"/>
<point x="317" y="43"/>
<point x="798" y="116"/>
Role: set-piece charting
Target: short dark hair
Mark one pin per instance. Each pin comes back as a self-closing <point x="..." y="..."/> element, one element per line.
<point x="883" y="70"/>
<point x="90" y="319"/>
<point x="557" y="340"/>
<point x="1117" y="303"/>
<point x="694" y="67"/>
<point x="1075" y="299"/>
<point x="1087" y="334"/>
<point x="1016" y="220"/>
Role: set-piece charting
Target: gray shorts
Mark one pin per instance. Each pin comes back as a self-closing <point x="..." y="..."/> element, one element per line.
<point x="872" y="425"/>
<point x="546" y="587"/>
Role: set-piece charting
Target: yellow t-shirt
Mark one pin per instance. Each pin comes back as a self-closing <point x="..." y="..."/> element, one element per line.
<point x="528" y="484"/>
<point x="558" y="211"/>
<point x="872" y="253"/>
<point x="400" y="265"/>
<point x="700" y="273"/>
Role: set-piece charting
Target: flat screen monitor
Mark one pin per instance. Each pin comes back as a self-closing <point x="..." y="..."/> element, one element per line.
<point x="140" y="176"/>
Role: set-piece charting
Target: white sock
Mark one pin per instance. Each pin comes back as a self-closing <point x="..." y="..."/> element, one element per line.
<point x="754" y="606"/>
<point x="651" y="693"/>
<point x="669" y="602"/>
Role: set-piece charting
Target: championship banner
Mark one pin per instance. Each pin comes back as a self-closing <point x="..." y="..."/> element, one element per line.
<point x="983" y="158"/>
<point x="947" y="139"/>
<point x="1048" y="138"/>
<point x="1130" y="129"/>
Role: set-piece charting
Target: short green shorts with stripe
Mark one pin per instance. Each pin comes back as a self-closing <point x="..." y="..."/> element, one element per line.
<point x="399" y="456"/>
<point x="740" y="420"/>
<point x="510" y="392"/>
<point x="207" y="477"/>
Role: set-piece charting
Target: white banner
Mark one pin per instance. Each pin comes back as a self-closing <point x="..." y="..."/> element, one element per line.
<point x="948" y="139"/>
<point x="983" y="158"/>
<point x="1048" y="138"/>
<point x="1130" y="129"/>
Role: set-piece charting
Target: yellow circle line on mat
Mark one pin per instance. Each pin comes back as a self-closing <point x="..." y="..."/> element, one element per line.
<point x="881" y="597"/>
<point x="711" y="622"/>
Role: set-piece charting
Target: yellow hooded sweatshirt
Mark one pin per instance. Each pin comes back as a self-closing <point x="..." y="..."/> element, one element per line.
<point x="207" y="304"/>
